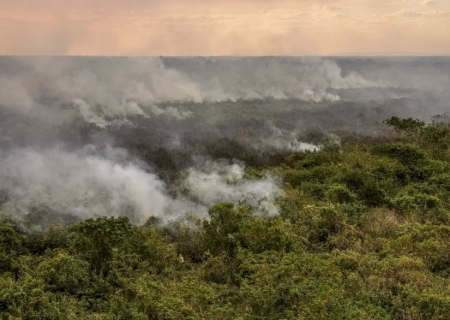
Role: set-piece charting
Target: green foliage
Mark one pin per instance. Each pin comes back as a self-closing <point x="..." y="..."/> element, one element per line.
<point x="406" y="154"/>
<point x="410" y="127"/>
<point x="362" y="234"/>
<point x="222" y="231"/>
<point x="96" y="240"/>
<point x="63" y="273"/>
<point x="340" y="194"/>
<point x="10" y="241"/>
<point x="11" y="246"/>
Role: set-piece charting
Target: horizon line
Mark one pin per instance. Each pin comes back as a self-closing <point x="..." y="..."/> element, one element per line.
<point x="372" y="55"/>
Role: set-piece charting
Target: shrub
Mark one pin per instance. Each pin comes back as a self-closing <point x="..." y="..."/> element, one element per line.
<point x="339" y="194"/>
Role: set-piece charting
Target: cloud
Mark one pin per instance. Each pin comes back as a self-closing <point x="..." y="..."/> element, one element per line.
<point x="412" y="13"/>
<point x="198" y="27"/>
<point x="412" y="2"/>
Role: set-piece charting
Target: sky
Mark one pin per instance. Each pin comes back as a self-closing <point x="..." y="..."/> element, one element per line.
<point x="224" y="27"/>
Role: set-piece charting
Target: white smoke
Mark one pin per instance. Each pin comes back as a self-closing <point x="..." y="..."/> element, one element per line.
<point x="88" y="184"/>
<point x="106" y="91"/>
<point x="303" y="78"/>
<point x="96" y="114"/>
<point x="282" y="140"/>
<point x="99" y="115"/>
<point x="81" y="184"/>
<point x="218" y="182"/>
<point x="171" y="112"/>
<point x="122" y="87"/>
<point x="88" y="114"/>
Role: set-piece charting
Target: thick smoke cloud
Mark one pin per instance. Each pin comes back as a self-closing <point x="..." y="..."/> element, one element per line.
<point x="182" y="105"/>
<point x="81" y="184"/>
<point x="120" y="87"/>
<point x="89" y="183"/>
<point x="102" y="88"/>
<point x="215" y="182"/>
<point x="95" y="91"/>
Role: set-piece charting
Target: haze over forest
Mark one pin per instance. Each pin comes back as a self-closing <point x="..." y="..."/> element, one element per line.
<point x="224" y="159"/>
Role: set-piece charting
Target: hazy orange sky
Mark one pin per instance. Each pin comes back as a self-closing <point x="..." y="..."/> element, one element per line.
<point x="224" y="27"/>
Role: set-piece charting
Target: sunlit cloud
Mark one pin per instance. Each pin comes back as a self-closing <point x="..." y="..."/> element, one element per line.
<point x="218" y="27"/>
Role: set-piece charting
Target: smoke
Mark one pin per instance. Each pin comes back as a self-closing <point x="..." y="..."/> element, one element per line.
<point x="94" y="91"/>
<point x="92" y="183"/>
<point x="99" y="89"/>
<point x="283" y="140"/>
<point x="81" y="184"/>
<point x="111" y="81"/>
<point x="14" y="96"/>
<point x="87" y="113"/>
<point x="120" y="87"/>
<point x="98" y="115"/>
<point x="171" y="112"/>
<point x="215" y="182"/>
<point x="154" y="102"/>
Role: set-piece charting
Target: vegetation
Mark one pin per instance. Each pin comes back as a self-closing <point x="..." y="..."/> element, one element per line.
<point x="362" y="234"/>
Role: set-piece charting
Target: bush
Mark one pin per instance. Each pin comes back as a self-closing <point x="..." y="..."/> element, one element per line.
<point x="339" y="194"/>
<point x="63" y="273"/>
<point x="407" y="154"/>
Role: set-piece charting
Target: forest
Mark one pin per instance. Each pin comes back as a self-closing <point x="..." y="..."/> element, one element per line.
<point x="362" y="233"/>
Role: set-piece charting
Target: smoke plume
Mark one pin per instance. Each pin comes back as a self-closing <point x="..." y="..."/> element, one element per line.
<point x="89" y="183"/>
<point x="57" y="112"/>
<point x="215" y="182"/>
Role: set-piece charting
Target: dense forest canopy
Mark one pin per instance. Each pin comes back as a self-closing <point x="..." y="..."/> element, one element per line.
<point x="362" y="233"/>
